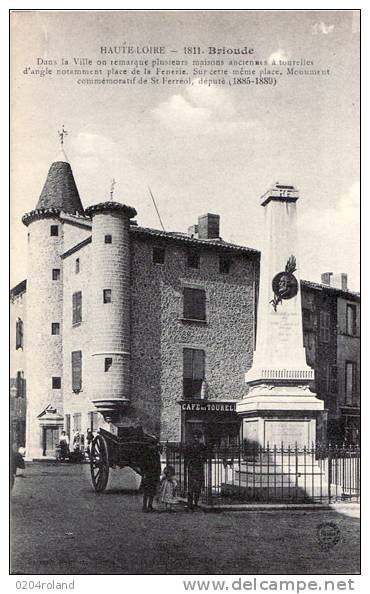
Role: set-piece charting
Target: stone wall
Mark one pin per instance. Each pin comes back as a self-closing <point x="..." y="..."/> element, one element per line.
<point x="159" y="335"/>
<point x="78" y="337"/>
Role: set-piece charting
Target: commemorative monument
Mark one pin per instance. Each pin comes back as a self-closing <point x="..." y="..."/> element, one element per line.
<point x="279" y="407"/>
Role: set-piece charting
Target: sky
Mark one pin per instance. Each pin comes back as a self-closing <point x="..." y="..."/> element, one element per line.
<point x="200" y="149"/>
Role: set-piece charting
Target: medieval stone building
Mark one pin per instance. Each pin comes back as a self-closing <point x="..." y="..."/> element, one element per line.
<point x="157" y="326"/>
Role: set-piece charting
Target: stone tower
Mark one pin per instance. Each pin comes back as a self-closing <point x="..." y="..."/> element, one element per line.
<point x="110" y="307"/>
<point x="45" y="306"/>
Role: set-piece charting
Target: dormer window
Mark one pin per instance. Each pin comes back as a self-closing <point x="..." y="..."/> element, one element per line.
<point x="107" y="295"/>
<point x="107" y="239"/>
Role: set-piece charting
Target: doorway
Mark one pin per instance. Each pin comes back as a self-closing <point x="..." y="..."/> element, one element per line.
<point x="50" y="440"/>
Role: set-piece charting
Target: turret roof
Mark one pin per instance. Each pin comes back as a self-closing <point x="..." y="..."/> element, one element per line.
<point x="60" y="190"/>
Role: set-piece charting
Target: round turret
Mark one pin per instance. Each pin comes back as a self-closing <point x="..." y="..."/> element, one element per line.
<point x="45" y="308"/>
<point x="110" y="303"/>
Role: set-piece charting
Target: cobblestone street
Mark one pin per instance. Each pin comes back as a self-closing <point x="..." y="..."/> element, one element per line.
<point x="61" y="526"/>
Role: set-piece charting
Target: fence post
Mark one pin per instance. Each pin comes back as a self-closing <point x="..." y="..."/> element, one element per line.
<point x="329" y="473"/>
<point x="296" y="471"/>
<point x="209" y="477"/>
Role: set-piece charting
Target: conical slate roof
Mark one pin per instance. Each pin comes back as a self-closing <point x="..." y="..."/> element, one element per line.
<point x="60" y="190"/>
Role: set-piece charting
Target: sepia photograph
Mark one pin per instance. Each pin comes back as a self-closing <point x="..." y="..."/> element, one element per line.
<point x="185" y="296"/>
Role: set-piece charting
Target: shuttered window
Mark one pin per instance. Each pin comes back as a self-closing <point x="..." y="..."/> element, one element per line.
<point x="193" y="372"/>
<point x="77" y="422"/>
<point x="76" y="371"/>
<point x="19" y="334"/>
<point x="158" y="255"/>
<point x="351" y="391"/>
<point x="194" y="304"/>
<point x="224" y="264"/>
<point x="324" y="326"/>
<point x="77" y="307"/>
<point x="351" y="319"/>
<point x="193" y="259"/>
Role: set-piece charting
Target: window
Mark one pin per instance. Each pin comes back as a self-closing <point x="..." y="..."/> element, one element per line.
<point x="351" y="319"/>
<point x="76" y="371"/>
<point x="107" y="239"/>
<point x="56" y="274"/>
<point x="193" y="372"/>
<point x="108" y="361"/>
<point x="77" y="266"/>
<point x="107" y="295"/>
<point x="225" y="264"/>
<point x="158" y="255"/>
<point x="324" y="326"/>
<point x="20" y="385"/>
<point x="56" y="383"/>
<point x="194" y="304"/>
<point x="350" y="379"/>
<point x="76" y="422"/>
<point x="77" y="307"/>
<point x="55" y="328"/>
<point x="54" y="230"/>
<point x="193" y="259"/>
<point x="19" y="334"/>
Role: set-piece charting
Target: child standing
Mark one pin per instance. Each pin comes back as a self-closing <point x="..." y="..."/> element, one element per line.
<point x="168" y="488"/>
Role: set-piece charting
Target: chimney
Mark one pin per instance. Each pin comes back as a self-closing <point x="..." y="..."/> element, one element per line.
<point x="209" y="226"/>
<point x="325" y="278"/>
<point x="340" y="281"/>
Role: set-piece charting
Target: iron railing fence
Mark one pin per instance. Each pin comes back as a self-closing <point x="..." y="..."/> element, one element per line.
<point x="246" y="473"/>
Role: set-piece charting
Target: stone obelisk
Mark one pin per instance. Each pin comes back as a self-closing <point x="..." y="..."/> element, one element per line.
<point x="279" y="406"/>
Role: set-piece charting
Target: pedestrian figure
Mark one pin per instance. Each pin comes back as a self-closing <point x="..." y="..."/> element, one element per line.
<point x="151" y="472"/>
<point x="64" y="445"/>
<point x="76" y="442"/>
<point x="195" y="456"/>
<point x="16" y="461"/>
<point x="168" y="488"/>
<point x="89" y="439"/>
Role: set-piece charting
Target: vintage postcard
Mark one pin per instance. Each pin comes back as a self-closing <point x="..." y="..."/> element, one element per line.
<point x="185" y="305"/>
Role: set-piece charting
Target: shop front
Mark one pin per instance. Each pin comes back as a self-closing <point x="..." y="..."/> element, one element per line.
<point x="215" y="421"/>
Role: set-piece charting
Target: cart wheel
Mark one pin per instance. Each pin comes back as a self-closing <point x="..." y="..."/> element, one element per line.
<point x="99" y="463"/>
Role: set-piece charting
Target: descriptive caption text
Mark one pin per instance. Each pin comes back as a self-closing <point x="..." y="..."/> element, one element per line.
<point x="124" y="65"/>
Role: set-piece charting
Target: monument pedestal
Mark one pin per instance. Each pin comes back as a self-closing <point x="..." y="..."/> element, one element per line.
<point x="275" y="415"/>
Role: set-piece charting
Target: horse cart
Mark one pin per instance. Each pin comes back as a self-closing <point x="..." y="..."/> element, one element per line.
<point x="128" y="446"/>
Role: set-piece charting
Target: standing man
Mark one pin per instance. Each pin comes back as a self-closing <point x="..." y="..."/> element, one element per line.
<point x="195" y="457"/>
<point x="151" y="472"/>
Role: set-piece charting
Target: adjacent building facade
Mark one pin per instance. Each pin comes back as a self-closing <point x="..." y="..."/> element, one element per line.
<point x="155" y="326"/>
